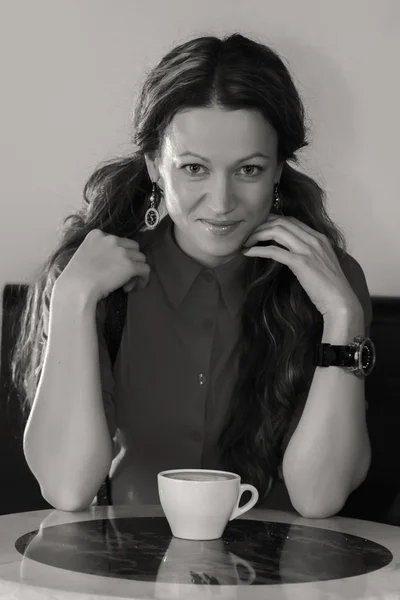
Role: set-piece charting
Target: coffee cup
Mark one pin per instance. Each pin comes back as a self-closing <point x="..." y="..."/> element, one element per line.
<point x="198" y="503"/>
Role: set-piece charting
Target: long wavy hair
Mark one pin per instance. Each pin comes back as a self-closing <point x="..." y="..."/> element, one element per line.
<point x="279" y="323"/>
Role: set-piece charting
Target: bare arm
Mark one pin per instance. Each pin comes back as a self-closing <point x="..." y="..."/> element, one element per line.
<point x="67" y="443"/>
<point x="329" y="454"/>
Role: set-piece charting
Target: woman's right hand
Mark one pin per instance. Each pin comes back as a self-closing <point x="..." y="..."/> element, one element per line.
<point x="106" y="262"/>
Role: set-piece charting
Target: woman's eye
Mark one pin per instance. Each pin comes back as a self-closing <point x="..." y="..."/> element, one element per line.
<point x="252" y="167"/>
<point x="194" y="168"/>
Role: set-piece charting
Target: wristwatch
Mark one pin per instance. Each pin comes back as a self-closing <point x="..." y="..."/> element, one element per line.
<point x="358" y="357"/>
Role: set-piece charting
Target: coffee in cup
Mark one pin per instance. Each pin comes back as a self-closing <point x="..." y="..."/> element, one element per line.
<point x="198" y="503"/>
<point x="199" y="476"/>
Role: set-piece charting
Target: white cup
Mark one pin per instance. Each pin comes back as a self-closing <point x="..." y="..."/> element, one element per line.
<point x="199" y="509"/>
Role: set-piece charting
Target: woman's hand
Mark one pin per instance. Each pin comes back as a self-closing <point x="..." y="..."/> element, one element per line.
<point x="104" y="263"/>
<point x="311" y="258"/>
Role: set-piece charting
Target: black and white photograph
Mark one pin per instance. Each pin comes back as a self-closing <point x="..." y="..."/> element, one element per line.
<point x="200" y="300"/>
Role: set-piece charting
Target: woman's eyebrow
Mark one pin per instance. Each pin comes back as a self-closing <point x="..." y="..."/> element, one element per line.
<point x="254" y="155"/>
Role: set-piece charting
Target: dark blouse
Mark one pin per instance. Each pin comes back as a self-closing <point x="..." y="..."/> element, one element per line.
<point x="168" y="395"/>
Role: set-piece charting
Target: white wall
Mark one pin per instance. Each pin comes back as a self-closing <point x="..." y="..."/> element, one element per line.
<point x="70" y="69"/>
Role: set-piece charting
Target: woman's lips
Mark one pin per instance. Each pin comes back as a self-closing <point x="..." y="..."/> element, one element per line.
<point x="220" y="227"/>
<point x="221" y="223"/>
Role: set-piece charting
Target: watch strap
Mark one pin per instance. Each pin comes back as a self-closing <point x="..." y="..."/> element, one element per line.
<point x="327" y="355"/>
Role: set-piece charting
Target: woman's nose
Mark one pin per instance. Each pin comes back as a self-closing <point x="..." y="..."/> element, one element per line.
<point x="221" y="198"/>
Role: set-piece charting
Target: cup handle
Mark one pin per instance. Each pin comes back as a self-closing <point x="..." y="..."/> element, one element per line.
<point x="244" y="487"/>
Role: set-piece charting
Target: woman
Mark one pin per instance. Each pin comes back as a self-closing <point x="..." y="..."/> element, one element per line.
<point x="233" y="271"/>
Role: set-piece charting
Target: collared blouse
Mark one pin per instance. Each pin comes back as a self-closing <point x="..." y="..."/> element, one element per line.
<point x="168" y="395"/>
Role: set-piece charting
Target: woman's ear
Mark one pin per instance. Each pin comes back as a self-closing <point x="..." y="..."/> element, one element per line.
<point x="152" y="161"/>
<point x="279" y="170"/>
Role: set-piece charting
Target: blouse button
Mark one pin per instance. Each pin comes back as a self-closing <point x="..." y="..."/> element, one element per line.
<point x="208" y="276"/>
<point x="202" y="379"/>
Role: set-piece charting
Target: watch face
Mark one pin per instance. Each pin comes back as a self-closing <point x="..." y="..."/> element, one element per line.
<point x="367" y="356"/>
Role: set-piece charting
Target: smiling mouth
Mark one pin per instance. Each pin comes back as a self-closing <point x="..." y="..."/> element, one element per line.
<point x="220" y="227"/>
<point x="220" y="223"/>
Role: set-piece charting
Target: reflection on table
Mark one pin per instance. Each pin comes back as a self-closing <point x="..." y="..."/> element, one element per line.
<point x="120" y="552"/>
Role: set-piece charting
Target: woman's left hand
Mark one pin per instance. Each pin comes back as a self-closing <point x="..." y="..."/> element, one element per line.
<point x="311" y="258"/>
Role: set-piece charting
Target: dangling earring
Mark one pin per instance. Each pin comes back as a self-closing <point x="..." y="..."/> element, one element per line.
<point x="277" y="200"/>
<point x="152" y="216"/>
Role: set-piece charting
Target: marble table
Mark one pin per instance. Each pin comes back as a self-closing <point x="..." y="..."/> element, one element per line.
<point x="122" y="552"/>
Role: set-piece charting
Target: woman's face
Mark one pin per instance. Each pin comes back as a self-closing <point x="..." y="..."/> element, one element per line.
<point x="216" y="166"/>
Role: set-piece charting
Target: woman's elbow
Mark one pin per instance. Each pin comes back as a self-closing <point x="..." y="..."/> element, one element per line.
<point x="312" y="510"/>
<point x="67" y="502"/>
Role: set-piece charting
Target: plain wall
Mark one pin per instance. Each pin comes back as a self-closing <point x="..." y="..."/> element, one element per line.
<point x="70" y="71"/>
